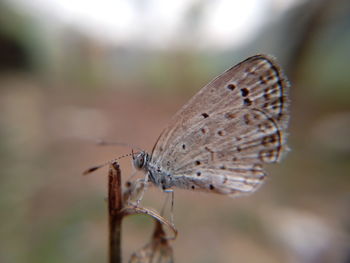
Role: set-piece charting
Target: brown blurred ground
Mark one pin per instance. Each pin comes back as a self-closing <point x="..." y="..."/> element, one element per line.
<point x="51" y="116"/>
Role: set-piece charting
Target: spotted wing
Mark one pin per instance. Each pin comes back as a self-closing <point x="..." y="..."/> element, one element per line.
<point x="221" y="138"/>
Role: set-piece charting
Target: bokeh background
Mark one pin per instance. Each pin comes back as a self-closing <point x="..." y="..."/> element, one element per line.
<point x="74" y="72"/>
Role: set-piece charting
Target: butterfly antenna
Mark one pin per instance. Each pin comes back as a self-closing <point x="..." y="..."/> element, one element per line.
<point x="96" y="167"/>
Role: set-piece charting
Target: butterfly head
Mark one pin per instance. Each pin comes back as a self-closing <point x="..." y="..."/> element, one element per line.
<point x="140" y="160"/>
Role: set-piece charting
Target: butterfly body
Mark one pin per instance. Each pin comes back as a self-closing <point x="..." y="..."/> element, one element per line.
<point x="219" y="141"/>
<point x="156" y="175"/>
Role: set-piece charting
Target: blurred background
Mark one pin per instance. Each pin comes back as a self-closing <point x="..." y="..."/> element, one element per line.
<point x="74" y="72"/>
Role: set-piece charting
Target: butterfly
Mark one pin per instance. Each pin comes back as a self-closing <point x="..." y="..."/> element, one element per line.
<point x="219" y="141"/>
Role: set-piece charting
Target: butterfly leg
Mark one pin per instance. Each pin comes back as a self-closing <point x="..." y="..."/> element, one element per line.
<point x="131" y="176"/>
<point x="162" y="212"/>
<point x="145" y="184"/>
<point x="169" y="191"/>
<point x="132" y="191"/>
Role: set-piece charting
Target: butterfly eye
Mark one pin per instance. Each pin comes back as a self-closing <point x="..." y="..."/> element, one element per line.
<point x="140" y="162"/>
<point x="140" y="159"/>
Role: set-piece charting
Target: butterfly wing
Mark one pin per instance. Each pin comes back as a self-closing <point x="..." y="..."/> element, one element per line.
<point x="219" y="140"/>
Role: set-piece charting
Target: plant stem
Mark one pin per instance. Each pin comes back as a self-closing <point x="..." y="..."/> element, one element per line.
<point x="115" y="205"/>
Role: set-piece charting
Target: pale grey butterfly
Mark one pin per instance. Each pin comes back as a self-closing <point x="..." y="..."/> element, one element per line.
<point x="219" y="141"/>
